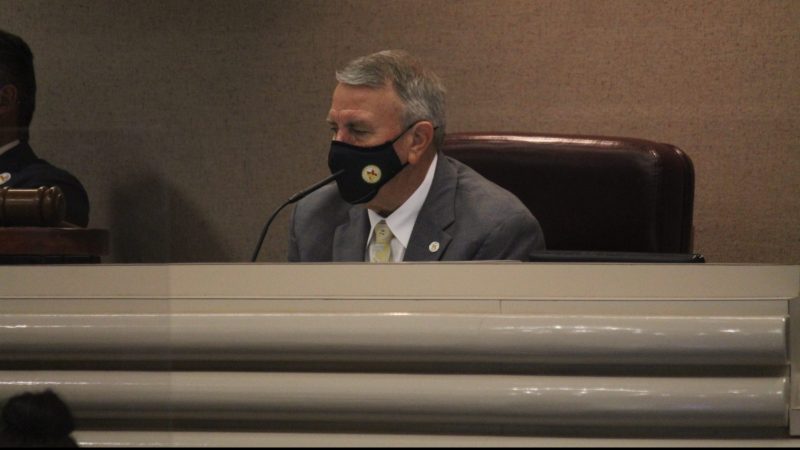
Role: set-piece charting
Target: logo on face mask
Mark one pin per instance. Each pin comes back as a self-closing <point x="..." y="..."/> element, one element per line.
<point x="365" y="169"/>
<point x="371" y="174"/>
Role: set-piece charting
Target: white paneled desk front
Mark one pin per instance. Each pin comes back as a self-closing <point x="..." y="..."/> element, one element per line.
<point x="408" y="354"/>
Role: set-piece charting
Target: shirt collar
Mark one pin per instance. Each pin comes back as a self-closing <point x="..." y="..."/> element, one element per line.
<point x="8" y="146"/>
<point x="402" y="220"/>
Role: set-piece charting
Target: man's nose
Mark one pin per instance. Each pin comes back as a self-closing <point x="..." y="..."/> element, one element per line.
<point x="341" y="136"/>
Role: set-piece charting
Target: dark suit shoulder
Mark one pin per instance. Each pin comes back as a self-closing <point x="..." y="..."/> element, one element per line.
<point x="42" y="173"/>
<point x="313" y="225"/>
<point x="324" y="205"/>
<point x="489" y="221"/>
<point x="27" y="171"/>
<point x="485" y="198"/>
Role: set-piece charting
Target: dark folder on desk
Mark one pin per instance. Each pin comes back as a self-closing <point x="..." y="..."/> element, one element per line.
<point x="617" y="257"/>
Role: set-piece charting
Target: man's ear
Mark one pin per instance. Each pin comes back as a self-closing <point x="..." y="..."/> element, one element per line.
<point x="8" y="98"/>
<point x="421" y="141"/>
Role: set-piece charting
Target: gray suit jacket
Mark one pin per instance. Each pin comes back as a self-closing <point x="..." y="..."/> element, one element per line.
<point x="469" y="216"/>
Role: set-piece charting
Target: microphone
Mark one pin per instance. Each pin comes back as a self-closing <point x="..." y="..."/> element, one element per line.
<point x="295" y="198"/>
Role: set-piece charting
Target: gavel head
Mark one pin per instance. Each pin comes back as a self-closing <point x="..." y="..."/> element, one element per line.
<point x="40" y="207"/>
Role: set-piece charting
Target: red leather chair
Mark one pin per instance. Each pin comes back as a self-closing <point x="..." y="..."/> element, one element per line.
<point x="591" y="193"/>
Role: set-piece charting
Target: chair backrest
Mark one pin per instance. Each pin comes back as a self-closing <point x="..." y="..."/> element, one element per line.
<point x="590" y="193"/>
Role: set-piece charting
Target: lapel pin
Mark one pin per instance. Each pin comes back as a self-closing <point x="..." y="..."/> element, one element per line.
<point x="5" y="176"/>
<point x="434" y="247"/>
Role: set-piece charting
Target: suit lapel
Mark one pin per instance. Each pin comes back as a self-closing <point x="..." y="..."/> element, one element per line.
<point x="429" y="240"/>
<point x="350" y="238"/>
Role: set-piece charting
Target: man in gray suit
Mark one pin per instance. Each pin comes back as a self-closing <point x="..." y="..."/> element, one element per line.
<point x="397" y="197"/>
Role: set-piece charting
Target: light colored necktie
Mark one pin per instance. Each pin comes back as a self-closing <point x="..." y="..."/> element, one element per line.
<point x="382" y="245"/>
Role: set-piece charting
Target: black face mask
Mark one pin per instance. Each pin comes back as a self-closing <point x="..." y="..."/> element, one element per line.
<point x="366" y="169"/>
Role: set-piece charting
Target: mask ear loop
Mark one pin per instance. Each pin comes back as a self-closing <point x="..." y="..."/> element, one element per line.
<point x="410" y="127"/>
<point x="404" y="132"/>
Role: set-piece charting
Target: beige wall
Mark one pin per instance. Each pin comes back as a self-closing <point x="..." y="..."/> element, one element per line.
<point x="190" y="121"/>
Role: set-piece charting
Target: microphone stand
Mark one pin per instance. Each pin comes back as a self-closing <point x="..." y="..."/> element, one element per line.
<point x="295" y="198"/>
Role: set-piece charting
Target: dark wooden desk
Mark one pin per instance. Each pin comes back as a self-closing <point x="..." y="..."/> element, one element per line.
<point x="44" y="245"/>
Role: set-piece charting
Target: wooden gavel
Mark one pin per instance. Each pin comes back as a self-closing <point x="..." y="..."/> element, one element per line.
<point x="41" y="207"/>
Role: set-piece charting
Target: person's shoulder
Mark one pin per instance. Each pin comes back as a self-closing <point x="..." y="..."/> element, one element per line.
<point x="496" y="215"/>
<point x="42" y="170"/>
<point x="31" y="170"/>
<point x="484" y="197"/>
<point x="313" y="225"/>
<point x="324" y="204"/>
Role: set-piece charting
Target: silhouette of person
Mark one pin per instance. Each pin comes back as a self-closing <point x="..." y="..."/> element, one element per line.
<point x="36" y="420"/>
<point x="20" y="168"/>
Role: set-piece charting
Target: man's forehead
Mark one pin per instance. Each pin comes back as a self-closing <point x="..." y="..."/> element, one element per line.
<point x="353" y="116"/>
<point x="363" y="102"/>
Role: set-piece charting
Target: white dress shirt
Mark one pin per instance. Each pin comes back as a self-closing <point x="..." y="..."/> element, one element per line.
<point x="402" y="220"/>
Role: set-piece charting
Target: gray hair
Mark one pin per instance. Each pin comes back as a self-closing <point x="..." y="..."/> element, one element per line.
<point x="420" y="90"/>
